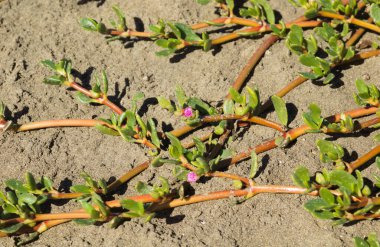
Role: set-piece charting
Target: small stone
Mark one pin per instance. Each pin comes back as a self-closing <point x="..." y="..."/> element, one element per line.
<point x="366" y="77"/>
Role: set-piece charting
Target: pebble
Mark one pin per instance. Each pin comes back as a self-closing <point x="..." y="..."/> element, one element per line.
<point x="366" y="76"/>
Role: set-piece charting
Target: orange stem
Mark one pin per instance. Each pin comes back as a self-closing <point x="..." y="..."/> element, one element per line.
<point x="129" y="175"/>
<point x="297" y="132"/>
<point x="299" y="80"/>
<point x="363" y="159"/>
<point x="60" y="123"/>
<point x="351" y="20"/>
<point x="101" y="100"/>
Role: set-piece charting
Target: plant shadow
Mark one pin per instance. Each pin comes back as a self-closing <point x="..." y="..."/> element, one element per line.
<point x="99" y="2"/>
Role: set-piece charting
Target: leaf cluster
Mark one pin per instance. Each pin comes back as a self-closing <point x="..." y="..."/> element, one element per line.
<point x="336" y="190"/>
<point x="98" y="90"/>
<point x="198" y="106"/>
<point x="368" y="94"/>
<point x="90" y="24"/>
<point x="259" y="10"/>
<point x="62" y="72"/>
<point x="307" y="49"/>
<point x="241" y="104"/>
<point x="313" y="118"/>
<point x="23" y="199"/>
<point x="331" y="152"/>
<point x="135" y="209"/>
<point x="156" y="191"/>
<point x="370" y="241"/>
<point x="179" y="34"/>
<point x="130" y="126"/>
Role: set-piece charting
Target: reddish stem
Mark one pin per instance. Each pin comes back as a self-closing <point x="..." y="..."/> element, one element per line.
<point x="101" y="100"/>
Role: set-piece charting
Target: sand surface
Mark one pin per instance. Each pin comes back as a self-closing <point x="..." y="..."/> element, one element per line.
<point x="32" y="31"/>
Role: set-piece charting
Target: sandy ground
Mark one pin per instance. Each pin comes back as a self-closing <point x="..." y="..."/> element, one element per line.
<point x="31" y="31"/>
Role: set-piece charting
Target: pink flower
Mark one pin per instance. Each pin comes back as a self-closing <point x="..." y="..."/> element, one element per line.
<point x="192" y="177"/>
<point x="187" y="112"/>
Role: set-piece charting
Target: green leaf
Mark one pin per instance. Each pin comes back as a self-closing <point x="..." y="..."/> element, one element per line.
<point x="311" y="45"/>
<point x="138" y="96"/>
<point x="203" y="2"/>
<point x="47" y="183"/>
<point x="127" y="133"/>
<point x="201" y="147"/>
<point x="10" y="209"/>
<point x="221" y="127"/>
<point x="49" y="64"/>
<point x="253" y="98"/>
<point x="84" y="98"/>
<point x="177" y="148"/>
<point x="165" y="103"/>
<point x="201" y="106"/>
<point x="103" y="185"/>
<point x="373" y="240"/>
<point x="330" y="151"/>
<point x="27" y="198"/>
<point x="313" y="118"/>
<point x="187" y="33"/>
<point x="181" y="96"/>
<point x="236" y="96"/>
<point x="175" y="30"/>
<point x="143" y="188"/>
<point x="343" y="179"/>
<point x="254" y="165"/>
<point x="165" y="188"/>
<point x="362" y="89"/>
<point x="12" y="228"/>
<point x="142" y="126"/>
<point x="153" y="133"/>
<point x="2" y="110"/>
<point x="85" y="222"/>
<point x="94" y="214"/>
<point x="131" y="119"/>
<point x="16" y="185"/>
<point x="207" y="43"/>
<point x="316" y="208"/>
<point x="133" y="206"/>
<point x="308" y="75"/>
<point x="280" y="108"/>
<point x="359" y="242"/>
<point x="309" y="60"/>
<point x="106" y="130"/>
<point x="294" y="40"/>
<point x="375" y="14"/>
<point x="30" y="181"/>
<point x="328" y="78"/>
<point x="180" y="173"/>
<point x="364" y="210"/>
<point x="228" y="106"/>
<point x="327" y="196"/>
<point x="89" y="24"/>
<point x="301" y="177"/>
<point x="121" y="23"/>
<point x="230" y="5"/>
<point x="80" y="188"/>
<point x="269" y="14"/>
<point x="55" y="80"/>
<point x="350" y="53"/>
<point x="165" y="53"/>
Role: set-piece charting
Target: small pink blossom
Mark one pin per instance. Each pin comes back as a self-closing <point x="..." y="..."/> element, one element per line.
<point x="192" y="177"/>
<point x="187" y="112"/>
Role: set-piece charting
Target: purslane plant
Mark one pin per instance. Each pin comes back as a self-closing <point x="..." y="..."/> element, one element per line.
<point x="342" y="194"/>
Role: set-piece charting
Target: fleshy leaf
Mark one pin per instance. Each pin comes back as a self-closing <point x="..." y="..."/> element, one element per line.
<point x="280" y="108"/>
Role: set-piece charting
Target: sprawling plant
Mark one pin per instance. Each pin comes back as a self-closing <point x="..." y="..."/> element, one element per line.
<point x="340" y="191"/>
